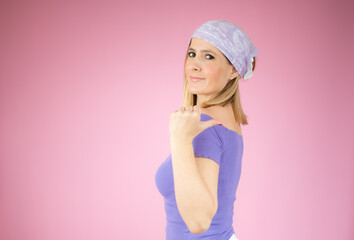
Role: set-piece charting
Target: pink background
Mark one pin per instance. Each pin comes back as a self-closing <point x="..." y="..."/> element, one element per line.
<point x="86" y="92"/>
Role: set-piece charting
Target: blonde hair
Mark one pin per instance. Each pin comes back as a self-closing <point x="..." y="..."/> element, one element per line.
<point x="229" y="94"/>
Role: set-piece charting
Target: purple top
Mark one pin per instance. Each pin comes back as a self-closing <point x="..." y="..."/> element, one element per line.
<point x="225" y="147"/>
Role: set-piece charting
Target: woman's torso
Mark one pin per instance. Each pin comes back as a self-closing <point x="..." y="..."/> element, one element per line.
<point x="230" y="170"/>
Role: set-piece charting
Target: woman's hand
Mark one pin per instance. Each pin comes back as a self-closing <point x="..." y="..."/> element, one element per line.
<point x="185" y="124"/>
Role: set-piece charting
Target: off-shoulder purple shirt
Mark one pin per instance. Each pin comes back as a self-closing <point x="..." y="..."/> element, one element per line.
<point x="225" y="147"/>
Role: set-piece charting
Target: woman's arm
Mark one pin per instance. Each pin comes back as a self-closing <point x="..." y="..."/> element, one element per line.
<point x="195" y="201"/>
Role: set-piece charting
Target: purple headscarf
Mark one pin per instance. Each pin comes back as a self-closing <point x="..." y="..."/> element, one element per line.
<point x="232" y="41"/>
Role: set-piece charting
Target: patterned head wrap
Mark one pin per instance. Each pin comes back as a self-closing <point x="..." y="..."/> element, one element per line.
<point x="232" y="41"/>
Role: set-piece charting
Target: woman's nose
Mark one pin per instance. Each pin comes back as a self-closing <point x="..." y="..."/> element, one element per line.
<point x="196" y="66"/>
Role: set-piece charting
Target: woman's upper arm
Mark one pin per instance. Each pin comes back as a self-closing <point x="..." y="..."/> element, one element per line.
<point x="209" y="171"/>
<point x="208" y="149"/>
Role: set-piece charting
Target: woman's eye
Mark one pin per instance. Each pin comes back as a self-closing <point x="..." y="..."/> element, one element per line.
<point x="190" y="53"/>
<point x="211" y="57"/>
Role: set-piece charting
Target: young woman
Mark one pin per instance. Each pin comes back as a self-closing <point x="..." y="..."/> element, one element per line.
<point x="199" y="179"/>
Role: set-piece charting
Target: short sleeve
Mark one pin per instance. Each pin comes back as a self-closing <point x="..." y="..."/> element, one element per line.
<point x="208" y="144"/>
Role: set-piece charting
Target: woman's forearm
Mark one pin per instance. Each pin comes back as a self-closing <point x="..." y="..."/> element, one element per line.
<point x="194" y="200"/>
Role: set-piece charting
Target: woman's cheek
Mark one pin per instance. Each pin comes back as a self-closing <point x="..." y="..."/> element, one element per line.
<point x="211" y="70"/>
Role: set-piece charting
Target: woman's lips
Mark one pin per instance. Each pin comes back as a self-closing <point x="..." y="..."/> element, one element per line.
<point x="195" y="79"/>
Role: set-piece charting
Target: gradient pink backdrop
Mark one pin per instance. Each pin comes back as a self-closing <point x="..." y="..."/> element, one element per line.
<point x="86" y="92"/>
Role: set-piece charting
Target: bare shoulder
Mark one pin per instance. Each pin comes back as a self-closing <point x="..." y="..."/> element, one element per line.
<point x="236" y="127"/>
<point x="227" y="119"/>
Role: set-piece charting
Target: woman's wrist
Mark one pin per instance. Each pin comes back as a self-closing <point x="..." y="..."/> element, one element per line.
<point x="180" y="142"/>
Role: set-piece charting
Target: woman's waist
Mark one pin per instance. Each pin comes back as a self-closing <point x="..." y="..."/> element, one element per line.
<point x="214" y="232"/>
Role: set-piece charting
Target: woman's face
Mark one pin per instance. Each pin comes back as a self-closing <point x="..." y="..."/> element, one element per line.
<point x="207" y="62"/>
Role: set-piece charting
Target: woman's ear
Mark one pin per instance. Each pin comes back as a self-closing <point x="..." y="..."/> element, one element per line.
<point x="234" y="73"/>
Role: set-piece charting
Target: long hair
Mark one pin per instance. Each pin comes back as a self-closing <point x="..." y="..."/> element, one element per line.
<point x="229" y="94"/>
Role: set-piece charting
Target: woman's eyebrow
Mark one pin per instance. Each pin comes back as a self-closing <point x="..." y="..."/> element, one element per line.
<point x="203" y="50"/>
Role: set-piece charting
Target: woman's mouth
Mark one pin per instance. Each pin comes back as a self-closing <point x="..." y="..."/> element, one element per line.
<point x="195" y="79"/>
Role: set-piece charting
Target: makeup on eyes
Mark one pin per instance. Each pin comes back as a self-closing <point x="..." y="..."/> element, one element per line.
<point x="211" y="56"/>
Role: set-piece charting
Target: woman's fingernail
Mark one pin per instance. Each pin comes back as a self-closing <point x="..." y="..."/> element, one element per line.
<point x="220" y="124"/>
